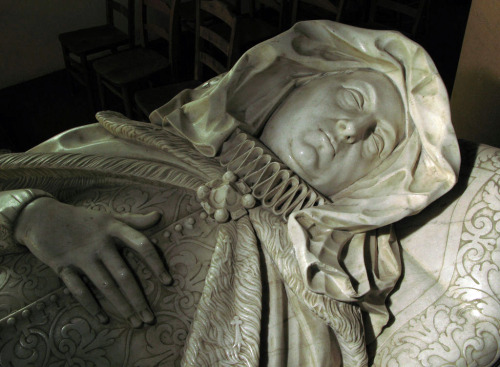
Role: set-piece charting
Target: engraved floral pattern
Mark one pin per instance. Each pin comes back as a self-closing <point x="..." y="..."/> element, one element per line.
<point x="52" y="329"/>
<point x="462" y="328"/>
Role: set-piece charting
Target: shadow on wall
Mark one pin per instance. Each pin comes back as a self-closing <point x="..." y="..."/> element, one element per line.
<point x="29" y="29"/>
<point x="476" y="99"/>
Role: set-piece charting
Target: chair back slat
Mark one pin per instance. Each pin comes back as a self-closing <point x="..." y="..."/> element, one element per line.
<point x="167" y="26"/>
<point x="171" y="31"/>
<point x="212" y="63"/>
<point x="158" y="5"/>
<point x="157" y="30"/>
<point x="126" y="11"/>
<point x="214" y="39"/>
<point x="220" y="10"/>
<point x="208" y="34"/>
<point x="120" y="8"/>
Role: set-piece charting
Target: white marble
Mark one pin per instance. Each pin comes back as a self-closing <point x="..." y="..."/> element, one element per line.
<point x="446" y="308"/>
<point x="337" y="121"/>
<point x="259" y="220"/>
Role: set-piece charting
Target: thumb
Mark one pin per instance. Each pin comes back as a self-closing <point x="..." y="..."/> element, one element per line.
<point x="139" y="221"/>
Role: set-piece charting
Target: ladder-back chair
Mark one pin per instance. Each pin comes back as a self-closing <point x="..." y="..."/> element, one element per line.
<point x="131" y="70"/>
<point x="77" y="46"/>
<point x="216" y="32"/>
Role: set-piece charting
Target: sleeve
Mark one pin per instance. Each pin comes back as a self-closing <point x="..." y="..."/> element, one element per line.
<point x="11" y="205"/>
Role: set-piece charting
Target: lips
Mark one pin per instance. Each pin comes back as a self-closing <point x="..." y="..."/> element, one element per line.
<point x="330" y="140"/>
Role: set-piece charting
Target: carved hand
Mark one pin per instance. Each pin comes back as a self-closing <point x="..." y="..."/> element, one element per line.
<point x="76" y="241"/>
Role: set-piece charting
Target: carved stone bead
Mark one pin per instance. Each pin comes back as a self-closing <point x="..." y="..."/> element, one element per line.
<point x="202" y="192"/>
<point x="229" y="177"/>
<point x="221" y="215"/>
<point x="248" y="201"/>
<point x="188" y="224"/>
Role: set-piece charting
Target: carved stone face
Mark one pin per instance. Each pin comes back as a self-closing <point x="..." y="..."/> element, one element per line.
<point x="335" y="129"/>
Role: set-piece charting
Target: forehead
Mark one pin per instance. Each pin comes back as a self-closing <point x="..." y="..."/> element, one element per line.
<point x="330" y="95"/>
<point x="373" y="82"/>
<point x="376" y="90"/>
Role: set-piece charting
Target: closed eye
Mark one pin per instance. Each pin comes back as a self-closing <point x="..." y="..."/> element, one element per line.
<point x="379" y="141"/>
<point x="374" y="143"/>
<point x="353" y="99"/>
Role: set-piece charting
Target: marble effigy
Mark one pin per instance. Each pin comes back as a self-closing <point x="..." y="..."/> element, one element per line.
<point x="275" y="195"/>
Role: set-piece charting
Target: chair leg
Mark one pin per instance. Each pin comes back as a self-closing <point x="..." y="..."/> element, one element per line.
<point x="101" y="92"/>
<point x="88" y="82"/>
<point x="127" y="102"/>
<point x="67" y="65"/>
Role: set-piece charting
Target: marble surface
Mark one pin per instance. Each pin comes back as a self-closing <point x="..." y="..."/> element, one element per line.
<point x="259" y="220"/>
<point x="446" y="307"/>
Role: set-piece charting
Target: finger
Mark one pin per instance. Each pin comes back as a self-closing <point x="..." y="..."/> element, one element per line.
<point x="139" y="221"/>
<point x="141" y="244"/>
<point x="127" y="283"/>
<point x="82" y="294"/>
<point x="101" y="278"/>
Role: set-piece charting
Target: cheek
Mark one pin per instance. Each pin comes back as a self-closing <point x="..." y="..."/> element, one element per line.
<point x="305" y="154"/>
<point x="363" y="164"/>
<point x="355" y="162"/>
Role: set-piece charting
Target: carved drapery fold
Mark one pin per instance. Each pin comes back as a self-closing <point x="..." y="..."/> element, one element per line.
<point x="343" y="318"/>
<point x="226" y="326"/>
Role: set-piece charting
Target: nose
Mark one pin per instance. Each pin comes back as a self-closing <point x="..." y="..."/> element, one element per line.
<point x="350" y="131"/>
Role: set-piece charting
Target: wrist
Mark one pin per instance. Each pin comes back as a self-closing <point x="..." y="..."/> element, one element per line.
<point x="30" y="215"/>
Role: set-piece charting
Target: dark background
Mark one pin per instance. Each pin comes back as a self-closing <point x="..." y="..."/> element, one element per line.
<point x="36" y="110"/>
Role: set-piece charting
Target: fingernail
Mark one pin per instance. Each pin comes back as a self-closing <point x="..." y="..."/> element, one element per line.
<point x="165" y="278"/>
<point x="147" y="316"/>
<point x="135" y="321"/>
<point x="102" y="317"/>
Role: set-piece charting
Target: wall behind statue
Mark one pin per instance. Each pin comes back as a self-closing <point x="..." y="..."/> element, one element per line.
<point x="29" y="28"/>
<point x="475" y="100"/>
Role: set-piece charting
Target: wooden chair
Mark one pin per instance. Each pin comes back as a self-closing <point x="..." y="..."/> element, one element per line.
<point x="404" y="16"/>
<point x="266" y="19"/>
<point x="216" y="28"/>
<point x="316" y="9"/>
<point x="128" y="71"/>
<point x="78" y="46"/>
